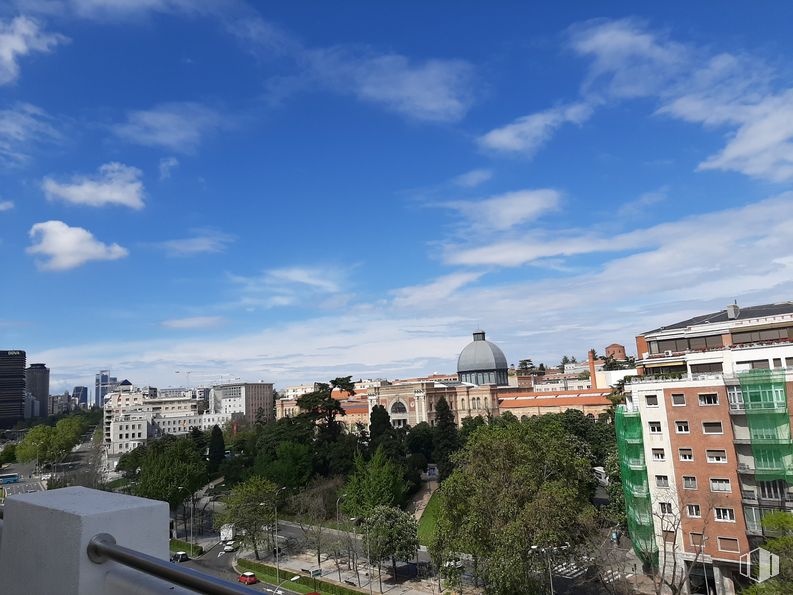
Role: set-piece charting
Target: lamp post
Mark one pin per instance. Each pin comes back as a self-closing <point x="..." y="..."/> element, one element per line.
<point x="535" y="548"/>
<point x="275" y="524"/>
<point x="191" y="519"/>
<point x="368" y="555"/>
<point x="293" y="579"/>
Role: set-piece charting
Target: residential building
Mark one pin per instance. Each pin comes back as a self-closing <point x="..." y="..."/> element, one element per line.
<point x="12" y="387"/>
<point x="437" y="377"/>
<point x="37" y="383"/>
<point x="103" y="384"/>
<point x="705" y="435"/>
<point x="247" y="398"/>
<point x="293" y="392"/>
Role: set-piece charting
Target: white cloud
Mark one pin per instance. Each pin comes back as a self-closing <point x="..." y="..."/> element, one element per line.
<point x="22" y="127"/>
<point x="324" y="287"/>
<point x="507" y="210"/>
<point x="118" y="9"/>
<point x="194" y="322"/>
<point x="315" y="278"/>
<point x="434" y="292"/>
<point x="115" y="184"/>
<point x="6" y="205"/>
<point x="174" y="126"/>
<point x="473" y="178"/>
<point x="167" y="165"/>
<point x="640" y="205"/>
<point x="63" y="247"/>
<point x="527" y="134"/>
<point x="19" y="37"/>
<point x="205" y="241"/>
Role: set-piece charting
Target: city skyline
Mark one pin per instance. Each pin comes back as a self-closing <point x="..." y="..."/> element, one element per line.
<point x="290" y="197"/>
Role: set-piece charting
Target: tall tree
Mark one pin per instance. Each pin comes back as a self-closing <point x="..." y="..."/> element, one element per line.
<point x="171" y="471"/>
<point x="343" y="383"/>
<point x="390" y="534"/>
<point x="199" y="441"/>
<point x="445" y="439"/>
<point x="291" y="467"/>
<point x="217" y="449"/>
<point x="383" y="435"/>
<point x="379" y="482"/>
<point x="250" y="507"/>
<point x="419" y="440"/>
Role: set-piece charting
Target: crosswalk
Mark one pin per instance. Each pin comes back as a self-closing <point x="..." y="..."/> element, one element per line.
<point x="573" y="569"/>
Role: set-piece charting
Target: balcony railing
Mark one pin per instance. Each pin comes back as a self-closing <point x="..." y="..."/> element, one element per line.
<point x="82" y="541"/>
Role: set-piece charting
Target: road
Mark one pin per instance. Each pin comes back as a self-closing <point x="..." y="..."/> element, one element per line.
<point x="218" y="563"/>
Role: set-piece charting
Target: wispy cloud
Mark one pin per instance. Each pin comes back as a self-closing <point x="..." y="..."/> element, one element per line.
<point x="167" y="165"/>
<point x="62" y="247"/>
<point x="323" y="287"/>
<point x="503" y="211"/>
<point x="641" y="204"/>
<point x="528" y="134"/>
<point x="20" y="37"/>
<point x="204" y="241"/>
<point x="316" y="278"/>
<point x="435" y="291"/>
<point x="176" y="127"/>
<point x="115" y="184"/>
<point x="6" y="205"/>
<point x="194" y="322"/>
<point x="473" y="178"/>
<point x="22" y="127"/>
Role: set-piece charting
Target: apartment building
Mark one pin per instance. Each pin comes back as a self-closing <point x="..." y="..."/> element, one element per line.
<point x="247" y="399"/>
<point x="705" y="441"/>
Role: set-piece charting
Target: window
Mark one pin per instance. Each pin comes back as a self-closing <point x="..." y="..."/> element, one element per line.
<point x="678" y="400"/>
<point x="777" y="362"/>
<point x="765" y="335"/>
<point x="662" y="481"/>
<point x="706" y="368"/>
<point x="709" y="399"/>
<point x="716" y="456"/>
<point x="682" y="426"/>
<point x="658" y="454"/>
<point x="669" y="536"/>
<point x="655" y="427"/>
<point x="726" y="515"/>
<point x="689" y="482"/>
<point x="712" y="427"/>
<point x="693" y="511"/>
<point x="696" y="539"/>
<point x="728" y="544"/>
<point x="666" y="507"/>
<point x="652" y="400"/>
<point x="686" y="454"/>
<point x="720" y="485"/>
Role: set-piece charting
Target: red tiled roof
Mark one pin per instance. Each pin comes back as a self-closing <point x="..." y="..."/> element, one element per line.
<point x="562" y="401"/>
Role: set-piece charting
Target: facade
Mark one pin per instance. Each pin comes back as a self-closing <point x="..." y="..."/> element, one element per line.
<point x="617" y="352"/>
<point x="103" y="384"/>
<point x="293" y="392"/>
<point x="246" y="398"/>
<point x="482" y="362"/>
<point x="520" y="402"/>
<point x="705" y="435"/>
<point x="12" y="387"/>
<point x="37" y="383"/>
<point x="431" y="378"/>
<point x="80" y="394"/>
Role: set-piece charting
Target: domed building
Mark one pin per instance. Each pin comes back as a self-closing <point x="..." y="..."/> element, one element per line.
<point x="482" y="362"/>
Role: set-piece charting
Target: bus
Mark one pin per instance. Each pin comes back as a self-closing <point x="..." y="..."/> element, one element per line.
<point x="9" y="478"/>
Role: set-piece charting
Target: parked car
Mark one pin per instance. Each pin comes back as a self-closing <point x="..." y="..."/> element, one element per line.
<point x="231" y="546"/>
<point x="248" y="578"/>
<point x="180" y="557"/>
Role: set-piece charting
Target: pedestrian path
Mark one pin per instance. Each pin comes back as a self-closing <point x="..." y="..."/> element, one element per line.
<point x="570" y="569"/>
<point x="611" y="576"/>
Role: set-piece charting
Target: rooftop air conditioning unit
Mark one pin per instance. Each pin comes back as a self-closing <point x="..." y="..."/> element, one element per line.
<point x="668" y="352"/>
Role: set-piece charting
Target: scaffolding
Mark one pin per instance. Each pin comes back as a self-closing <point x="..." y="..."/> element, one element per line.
<point x="635" y="485"/>
<point x="765" y="403"/>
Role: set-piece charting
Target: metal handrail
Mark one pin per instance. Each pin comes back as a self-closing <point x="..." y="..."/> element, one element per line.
<point x="103" y="547"/>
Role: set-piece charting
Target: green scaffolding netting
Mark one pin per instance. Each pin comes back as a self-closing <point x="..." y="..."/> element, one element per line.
<point x="635" y="485"/>
<point x="765" y="402"/>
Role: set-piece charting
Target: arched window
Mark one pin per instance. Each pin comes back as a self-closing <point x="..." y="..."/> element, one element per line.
<point x="398" y="407"/>
<point x="462" y="403"/>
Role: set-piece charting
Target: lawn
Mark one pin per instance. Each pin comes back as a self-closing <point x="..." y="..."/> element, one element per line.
<point x="177" y="545"/>
<point x="266" y="573"/>
<point x="427" y="521"/>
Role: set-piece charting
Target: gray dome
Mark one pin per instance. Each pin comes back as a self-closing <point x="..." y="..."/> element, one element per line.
<point x="481" y="355"/>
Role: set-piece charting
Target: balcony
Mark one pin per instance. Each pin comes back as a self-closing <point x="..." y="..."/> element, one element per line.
<point x="745" y="469"/>
<point x="636" y="464"/>
<point x="640" y="491"/>
<point x="81" y="541"/>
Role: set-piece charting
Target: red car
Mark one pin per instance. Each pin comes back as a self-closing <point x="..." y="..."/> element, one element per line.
<point x="248" y="578"/>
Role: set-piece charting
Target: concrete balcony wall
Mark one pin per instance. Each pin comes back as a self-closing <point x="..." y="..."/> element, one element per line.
<point x="43" y="547"/>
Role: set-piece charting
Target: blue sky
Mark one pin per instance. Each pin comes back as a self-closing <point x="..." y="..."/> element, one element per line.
<point x="303" y="190"/>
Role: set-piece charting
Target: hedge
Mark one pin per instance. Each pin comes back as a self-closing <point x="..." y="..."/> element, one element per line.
<point x="325" y="587"/>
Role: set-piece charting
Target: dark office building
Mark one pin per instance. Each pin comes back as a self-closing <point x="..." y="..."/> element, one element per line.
<point x="38" y="384"/>
<point x="80" y="395"/>
<point x="12" y="387"/>
<point x="104" y="384"/>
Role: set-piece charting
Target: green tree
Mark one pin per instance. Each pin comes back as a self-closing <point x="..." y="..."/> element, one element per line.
<point x="780" y="524"/>
<point x="469" y="426"/>
<point x="526" y="365"/>
<point x="8" y="454"/>
<point x="390" y="534"/>
<point x="379" y="482"/>
<point x="383" y="435"/>
<point x="217" y="449"/>
<point x="171" y="471"/>
<point x="291" y="467"/>
<point x="37" y="445"/>
<point x="250" y="507"/>
<point x="516" y="485"/>
<point x="445" y="439"/>
<point x="199" y="441"/>
<point x="129" y="463"/>
<point x="419" y="440"/>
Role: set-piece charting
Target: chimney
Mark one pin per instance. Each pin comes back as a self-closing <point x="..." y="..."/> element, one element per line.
<point x="592" y="377"/>
<point x="733" y="311"/>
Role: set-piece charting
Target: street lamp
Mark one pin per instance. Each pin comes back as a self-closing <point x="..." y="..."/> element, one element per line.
<point x="338" y="516"/>
<point x="293" y="579"/>
<point x="535" y="548"/>
<point x="191" y="519"/>
<point x="277" y="549"/>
